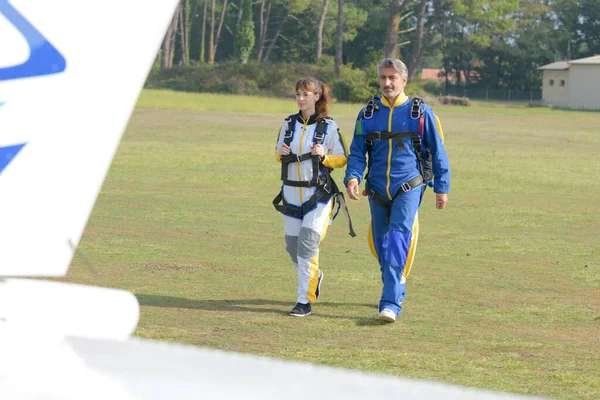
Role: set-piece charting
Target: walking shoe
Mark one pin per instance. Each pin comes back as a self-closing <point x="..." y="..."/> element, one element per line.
<point x="387" y="315"/>
<point x="318" y="291"/>
<point x="300" y="310"/>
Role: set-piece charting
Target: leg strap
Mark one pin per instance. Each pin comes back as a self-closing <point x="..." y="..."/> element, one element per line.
<point x="387" y="204"/>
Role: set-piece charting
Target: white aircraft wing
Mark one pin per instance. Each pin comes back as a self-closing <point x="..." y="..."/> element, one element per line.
<point x="68" y="83"/>
<point x="142" y="369"/>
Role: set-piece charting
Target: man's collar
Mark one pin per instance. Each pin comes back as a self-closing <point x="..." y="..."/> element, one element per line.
<point x="400" y="99"/>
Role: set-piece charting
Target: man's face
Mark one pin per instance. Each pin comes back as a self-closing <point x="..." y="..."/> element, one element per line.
<point x="391" y="83"/>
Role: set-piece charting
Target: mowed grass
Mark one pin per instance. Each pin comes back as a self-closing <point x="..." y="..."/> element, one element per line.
<point x="504" y="293"/>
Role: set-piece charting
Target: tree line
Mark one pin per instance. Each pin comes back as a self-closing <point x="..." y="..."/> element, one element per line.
<point x="496" y="44"/>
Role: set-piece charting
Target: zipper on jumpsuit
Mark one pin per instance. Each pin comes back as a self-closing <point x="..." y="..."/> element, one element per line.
<point x="387" y="187"/>
<point x="300" y="152"/>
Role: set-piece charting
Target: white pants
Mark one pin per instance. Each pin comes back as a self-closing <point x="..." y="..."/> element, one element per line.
<point x="302" y="237"/>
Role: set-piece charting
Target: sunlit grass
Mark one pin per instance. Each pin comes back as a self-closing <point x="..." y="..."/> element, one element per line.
<point x="166" y="99"/>
<point x="504" y="294"/>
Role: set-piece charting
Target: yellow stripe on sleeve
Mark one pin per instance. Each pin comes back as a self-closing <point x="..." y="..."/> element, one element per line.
<point x="439" y="128"/>
<point x="335" y="161"/>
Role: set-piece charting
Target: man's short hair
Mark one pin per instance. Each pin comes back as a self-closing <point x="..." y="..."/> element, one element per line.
<point x="398" y="65"/>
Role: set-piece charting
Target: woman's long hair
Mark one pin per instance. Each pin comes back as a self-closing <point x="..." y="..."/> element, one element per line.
<point x="316" y="86"/>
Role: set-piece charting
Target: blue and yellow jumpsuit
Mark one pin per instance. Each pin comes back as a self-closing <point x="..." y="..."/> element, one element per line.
<point x="394" y="243"/>
<point x="303" y="235"/>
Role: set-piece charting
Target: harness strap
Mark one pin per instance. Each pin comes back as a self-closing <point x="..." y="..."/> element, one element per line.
<point x="370" y="108"/>
<point x="324" y="183"/>
<point x="295" y="211"/>
<point x="425" y="164"/>
<point x="320" y="131"/>
<point x="318" y="138"/>
<point x="322" y="192"/>
<point x="339" y="196"/>
<point x="288" y="136"/>
<point x="416" y="108"/>
<point x="293" y="157"/>
<point x="289" y="130"/>
<point x="385" y="135"/>
<point x="320" y="181"/>
<point x="387" y="204"/>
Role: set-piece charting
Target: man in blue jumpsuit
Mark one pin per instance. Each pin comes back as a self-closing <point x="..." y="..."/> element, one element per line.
<point x="401" y="142"/>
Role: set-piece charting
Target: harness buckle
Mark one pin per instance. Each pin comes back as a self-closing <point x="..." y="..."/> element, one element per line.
<point x="368" y="110"/>
<point x="405" y="187"/>
<point x="415" y="109"/>
<point x="288" y="132"/>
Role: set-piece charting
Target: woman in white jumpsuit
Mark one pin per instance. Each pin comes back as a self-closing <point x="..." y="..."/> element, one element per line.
<point x="308" y="207"/>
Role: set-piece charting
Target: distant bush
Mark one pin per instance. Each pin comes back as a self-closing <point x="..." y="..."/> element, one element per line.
<point x="275" y="80"/>
<point x="431" y="86"/>
<point x="455" y="101"/>
<point x="231" y="77"/>
<point x="354" y="85"/>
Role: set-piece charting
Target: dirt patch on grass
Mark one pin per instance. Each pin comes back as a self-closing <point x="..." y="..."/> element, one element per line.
<point x="172" y="267"/>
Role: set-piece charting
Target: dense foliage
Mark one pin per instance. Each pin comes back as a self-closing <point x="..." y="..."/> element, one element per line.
<point x="479" y="44"/>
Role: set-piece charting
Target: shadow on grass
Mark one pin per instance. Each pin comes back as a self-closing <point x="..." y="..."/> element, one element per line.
<point x="253" y="305"/>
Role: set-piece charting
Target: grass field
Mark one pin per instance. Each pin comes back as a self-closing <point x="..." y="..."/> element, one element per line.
<point x="504" y="293"/>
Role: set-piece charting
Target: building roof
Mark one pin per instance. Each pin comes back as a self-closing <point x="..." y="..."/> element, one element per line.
<point x="564" y="65"/>
<point x="431" y="74"/>
<point x="588" y="60"/>
<point x="439" y="75"/>
<point x="556" y="66"/>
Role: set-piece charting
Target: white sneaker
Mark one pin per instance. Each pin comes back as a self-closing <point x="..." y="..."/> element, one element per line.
<point x="387" y="315"/>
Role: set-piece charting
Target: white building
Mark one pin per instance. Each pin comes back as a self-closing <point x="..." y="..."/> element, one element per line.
<point x="572" y="84"/>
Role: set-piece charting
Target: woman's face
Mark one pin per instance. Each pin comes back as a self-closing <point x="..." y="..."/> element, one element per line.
<point x="306" y="99"/>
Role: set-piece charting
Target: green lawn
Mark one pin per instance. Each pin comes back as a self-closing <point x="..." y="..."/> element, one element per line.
<point x="504" y="293"/>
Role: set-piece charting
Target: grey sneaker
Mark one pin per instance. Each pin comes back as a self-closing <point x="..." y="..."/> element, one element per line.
<point x="300" y="310"/>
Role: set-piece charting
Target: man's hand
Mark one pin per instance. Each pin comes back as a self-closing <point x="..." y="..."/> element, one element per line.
<point x="440" y="201"/>
<point x="284" y="150"/>
<point x="352" y="189"/>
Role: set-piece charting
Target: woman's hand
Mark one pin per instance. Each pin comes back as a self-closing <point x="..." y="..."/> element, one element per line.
<point x="284" y="150"/>
<point x="317" y="150"/>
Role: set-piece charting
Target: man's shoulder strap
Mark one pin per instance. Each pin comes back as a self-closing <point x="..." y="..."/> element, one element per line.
<point x="417" y="108"/>
<point x="417" y="112"/>
<point x="370" y="108"/>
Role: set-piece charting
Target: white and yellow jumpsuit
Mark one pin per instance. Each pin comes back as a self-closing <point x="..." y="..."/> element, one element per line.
<point x="304" y="234"/>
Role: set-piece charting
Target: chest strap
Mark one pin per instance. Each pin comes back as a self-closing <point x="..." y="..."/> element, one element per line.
<point x="417" y="111"/>
<point x="385" y="135"/>
<point x="318" y="138"/>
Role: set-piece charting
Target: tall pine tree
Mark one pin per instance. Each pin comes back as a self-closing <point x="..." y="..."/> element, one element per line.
<point x="244" y="39"/>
